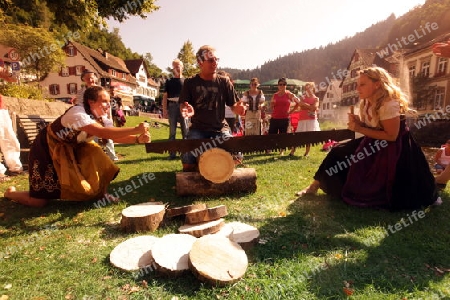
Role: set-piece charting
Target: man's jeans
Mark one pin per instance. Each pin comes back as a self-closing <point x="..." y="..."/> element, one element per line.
<point x="174" y="118"/>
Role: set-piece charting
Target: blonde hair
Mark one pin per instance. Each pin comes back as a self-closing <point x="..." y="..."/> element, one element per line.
<point x="388" y="89"/>
<point x="176" y="61"/>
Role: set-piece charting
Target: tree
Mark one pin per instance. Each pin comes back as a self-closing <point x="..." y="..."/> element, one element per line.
<point x="187" y="56"/>
<point x="78" y="14"/>
<point x="153" y="69"/>
<point x="40" y="53"/>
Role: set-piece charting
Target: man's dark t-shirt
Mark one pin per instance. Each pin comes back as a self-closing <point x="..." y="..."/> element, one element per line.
<point x="173" y="87"/>
<point x="208" y="98"/>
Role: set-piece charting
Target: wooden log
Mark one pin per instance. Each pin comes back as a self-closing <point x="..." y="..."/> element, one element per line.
<point x="182" y="210"/>
<point x="216" y="165"/>
<point x="142" y="217"/>
<point x="201" y="229"/>
<point x="217" y="260"/>
<point x="206" y="215"/>
<point x="243" y="234"/>
<point x="243" y="180"/>
<point x="171" y="254"/>
<point x="133" y="254"/>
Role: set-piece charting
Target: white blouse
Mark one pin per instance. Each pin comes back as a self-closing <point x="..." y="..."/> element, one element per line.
<point x="388" y="110"/>
<point x="75" y="118"/>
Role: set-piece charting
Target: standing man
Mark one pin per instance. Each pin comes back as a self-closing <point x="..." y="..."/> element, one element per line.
<point x="171" y="106"/>
<point x="203" y="98"/>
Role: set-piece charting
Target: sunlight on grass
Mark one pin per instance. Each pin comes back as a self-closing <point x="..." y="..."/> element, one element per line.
<point x="314" y="247"/>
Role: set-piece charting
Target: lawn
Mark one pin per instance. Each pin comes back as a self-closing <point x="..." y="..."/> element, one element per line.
<point x="311" y="248"/>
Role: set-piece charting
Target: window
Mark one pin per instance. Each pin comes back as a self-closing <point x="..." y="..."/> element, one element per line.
<point x="79" y="70"/>
<point x="124" y="75"/>
<point x="54" y="89"/>
<point x="439" y="96"/>
<point x="113" y="73"/>
<point x="442" y="66"/>
<point x="72" y="88"/>
<point x="425" y="69"/>
<point x="71" y="51"/>
<point x="412" y="71"/>
<point x="65" y="71"/>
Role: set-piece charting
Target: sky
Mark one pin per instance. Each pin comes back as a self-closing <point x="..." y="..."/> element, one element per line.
<point x="249" y="33"/>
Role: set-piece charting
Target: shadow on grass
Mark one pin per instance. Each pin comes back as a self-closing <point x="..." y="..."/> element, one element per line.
<point x="360" y="248"/>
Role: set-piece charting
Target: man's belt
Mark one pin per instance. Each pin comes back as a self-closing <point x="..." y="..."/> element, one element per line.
<point x="251" y="143"/>
<point x="173" y="99"/>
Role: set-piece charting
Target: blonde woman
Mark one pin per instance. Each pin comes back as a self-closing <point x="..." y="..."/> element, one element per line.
<point x="384" y="168"/>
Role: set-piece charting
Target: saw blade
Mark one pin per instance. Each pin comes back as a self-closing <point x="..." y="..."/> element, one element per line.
<point x="251" y="143"/>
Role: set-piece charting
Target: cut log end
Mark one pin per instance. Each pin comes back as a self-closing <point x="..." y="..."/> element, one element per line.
<point x="182" y="210"/>
<point x="245" y="235"/>
<point x="201" y="229"/>
<point x="134" y="253"/>
<point x="216" y="165"/>
<point x="171" y="254"/>
<point x="217" y="260"/>
<point x="142" y="217"/>
<point x="206" y="215"/>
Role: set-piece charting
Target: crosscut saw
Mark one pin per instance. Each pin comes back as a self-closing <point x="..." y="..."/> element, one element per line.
<point x="251" y="143"/>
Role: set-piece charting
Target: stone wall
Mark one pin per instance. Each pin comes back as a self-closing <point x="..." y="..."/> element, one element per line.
<point x="34" y="107"/>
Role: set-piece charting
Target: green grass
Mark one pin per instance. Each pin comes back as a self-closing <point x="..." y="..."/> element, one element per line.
<point x="311" y="248"/>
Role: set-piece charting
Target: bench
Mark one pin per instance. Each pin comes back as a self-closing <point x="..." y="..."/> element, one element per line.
<point x="27" y="128"/>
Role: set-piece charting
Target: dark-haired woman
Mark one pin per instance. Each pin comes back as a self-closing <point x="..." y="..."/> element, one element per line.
<point x="65" y="162"/>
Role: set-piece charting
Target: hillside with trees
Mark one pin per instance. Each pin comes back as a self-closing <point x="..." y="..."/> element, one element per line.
<point x="318" y="64"/>
<point x="87" y="18"/>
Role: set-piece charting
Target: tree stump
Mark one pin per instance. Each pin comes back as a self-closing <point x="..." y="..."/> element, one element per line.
<point x="206" y="215"/>
<point x="243" y="234"/>
<point x="201" y="229"/>
<point x="182" y="210"/>
<point x="134" y="253"/>
<point x="217" y="260"/>
<point x="216" y="165"/>
<point x="171" y="254"/>
<point x="142" y="217"/>
<point x="243" y="180"/>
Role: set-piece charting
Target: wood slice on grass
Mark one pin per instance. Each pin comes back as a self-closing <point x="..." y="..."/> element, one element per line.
<point x="216" y="165"/>
<point x="182" y="210"/>
<point x="171" y="254"/>
<point x="142" y="217"/>
<point x="241" y="233"/>
<point x="134" y="253"/>
<point x="202" y="229"/>
<point x="207" y="214"/>
<point x="243" y="180"/>
<point x="217" y="260"/>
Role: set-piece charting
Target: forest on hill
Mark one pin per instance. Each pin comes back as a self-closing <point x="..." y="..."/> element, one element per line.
<point x="318" y="64"/>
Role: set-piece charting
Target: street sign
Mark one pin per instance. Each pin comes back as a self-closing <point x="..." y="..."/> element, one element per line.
<point x="13" y="55"/>
<point x="15" y="66"/>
